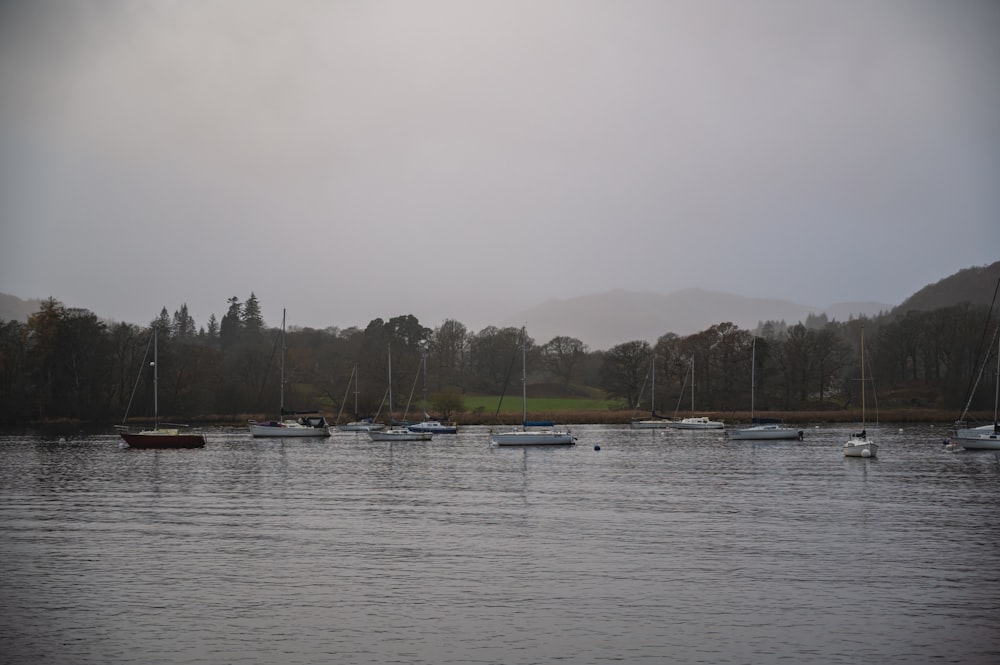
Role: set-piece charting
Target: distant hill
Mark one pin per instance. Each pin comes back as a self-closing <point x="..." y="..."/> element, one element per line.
<point x="972" y="285"/>
<point x="13" y="308"/>
<point x="601" y="321"/>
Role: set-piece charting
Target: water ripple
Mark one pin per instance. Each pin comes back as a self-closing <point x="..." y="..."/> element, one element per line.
<point x="663" y="546"/>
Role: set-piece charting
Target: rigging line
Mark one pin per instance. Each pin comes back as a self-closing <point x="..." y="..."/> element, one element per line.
<point x="145" y="355"/>
<point x="346" y="393"/>
<point x="979" y="375"/>
<point x="681" y="395"/>
<point x="986" y="326"/>
<point x="379" y="411"/>
<point x="506" y="380"/>
<point x="409" y="399"/>
<point x="871" y="379"/>
<point x="642" y="391"/>
<point x="267" y="370"/>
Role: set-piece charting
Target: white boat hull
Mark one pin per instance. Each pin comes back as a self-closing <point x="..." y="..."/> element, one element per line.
<point x="400" y="434"/>
<point x="697" y="423"/>
<point x="285" y="429"/>
<point x="533" y="438"/>
<point x="765" y="433"/>
<point x="860" y="448"/>
<point x="974" y="432"/>
<point x="983" y="442"/>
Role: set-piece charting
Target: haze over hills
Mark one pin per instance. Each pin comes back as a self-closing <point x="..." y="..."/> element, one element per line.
<point x="603" y="320"/>
<point x="13" y="308"/>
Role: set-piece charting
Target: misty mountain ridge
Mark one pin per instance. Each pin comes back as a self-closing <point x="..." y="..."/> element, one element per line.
<point x="976" y="285"/>
<point x="13" y="308"/>
<point x="604" y="320"/>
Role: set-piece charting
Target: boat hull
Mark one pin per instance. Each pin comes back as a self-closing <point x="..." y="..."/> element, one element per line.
<point x="697" y="423"/>
<point x="360" y="427"/>
<point x="162" y="439"/>
<point x="651" y="424"/>
<point x="285" y="430"/>
<point x="860" y="448"/>
<point x="400" y="434"/>
<point x="434" y="427"/>
<point x="983" y="442"/>
<point x="765" y="433"/>
<point x="974" y="432"/>
<point x="528" y="438"/>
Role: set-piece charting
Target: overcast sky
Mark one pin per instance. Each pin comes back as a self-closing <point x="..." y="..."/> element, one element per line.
<point x="362" y="159"/>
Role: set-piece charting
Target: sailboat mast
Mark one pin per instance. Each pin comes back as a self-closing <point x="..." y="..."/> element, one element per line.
<point x="692" y="385"/>
<point x="281" y="410"/>
<point x="753" y="374"/>
<point x="156" y="381"/>
<point x="388" y="352"/>
<point x="423" y="362"/>
<point x="356" y="389"/>
<point x="524" y="376"/>
<point x="652" y="388"/>
<point x="863" y="428"/>
<point x="996" y="394"/>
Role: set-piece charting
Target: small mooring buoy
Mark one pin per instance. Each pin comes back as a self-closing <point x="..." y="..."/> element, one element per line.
<point x="597" y="447"/>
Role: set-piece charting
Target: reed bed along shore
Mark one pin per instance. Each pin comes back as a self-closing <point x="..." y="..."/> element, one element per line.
<point x="944" y="417"/>
<point x="907" y="415"/>
<point x="624" y="417"/>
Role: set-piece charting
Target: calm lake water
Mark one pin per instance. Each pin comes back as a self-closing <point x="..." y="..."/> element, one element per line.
<point x="661" y="547"/>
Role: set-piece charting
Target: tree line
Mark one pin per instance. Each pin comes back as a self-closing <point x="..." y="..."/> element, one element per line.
<point x="67" y="363"/>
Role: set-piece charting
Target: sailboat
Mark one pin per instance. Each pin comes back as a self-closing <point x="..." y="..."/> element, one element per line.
<point x="524" y="436"/>
<point x="986" y="437"/>
<point x="309" y="425"/>
<point x="859" y="445"/>
<point x="762" y="429"/>
<point x="362" y="425"/>
<point x="429" y="424"/>
<point x="396" y="433"/>
<point x="654" y="421"/>
<point x="158" y="437"/>
<point x="695" y="422"/>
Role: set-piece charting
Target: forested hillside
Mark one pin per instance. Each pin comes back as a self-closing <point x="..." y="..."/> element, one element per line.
<point x="67" y="363"/>
<point x="975" y="285"/>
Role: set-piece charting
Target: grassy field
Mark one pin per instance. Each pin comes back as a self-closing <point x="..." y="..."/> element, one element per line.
<point x="482" y="409"/>
<point x="487" y="404"/>
<point x="582" y="405"/>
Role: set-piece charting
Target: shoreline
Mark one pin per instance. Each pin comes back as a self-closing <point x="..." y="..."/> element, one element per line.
<point x="945" y="418"/>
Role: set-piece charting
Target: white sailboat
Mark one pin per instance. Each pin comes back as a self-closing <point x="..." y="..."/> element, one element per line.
<point x="432" y="425"/>
<point x="309" y="424"/>
<point x="986" y="437"/>
<point x="396" y="433"/>
<point x="654" y="421"/>
<point x="765" y="429"/>
<point x="549" y="436"/>
<point x="859" y="445"/>
<point x="696" y="422"/>
<point x="362" y="425"/>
